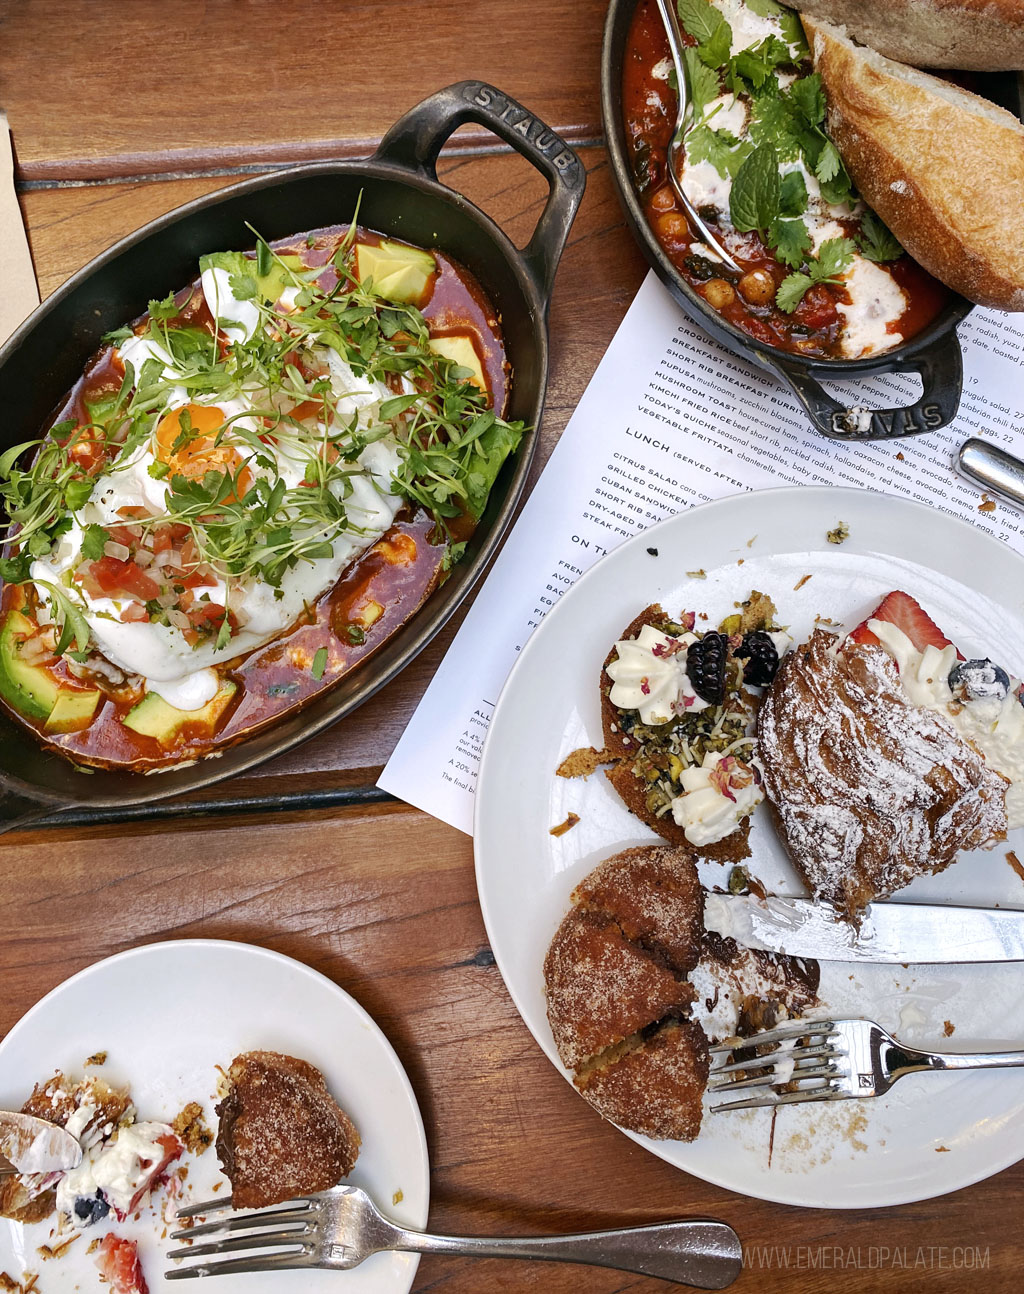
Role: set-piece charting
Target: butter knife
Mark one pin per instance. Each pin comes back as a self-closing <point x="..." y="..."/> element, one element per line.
<point x="33" y="1145"/>
<point x="889" y="932"/>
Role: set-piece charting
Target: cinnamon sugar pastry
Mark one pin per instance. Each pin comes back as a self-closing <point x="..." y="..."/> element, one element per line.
<point x="868" y="790"/>
<point x="618" y="997"/>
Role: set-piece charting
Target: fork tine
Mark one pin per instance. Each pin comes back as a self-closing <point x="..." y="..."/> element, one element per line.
<point x="768" y="1080"/>
<point x="794" y="1029"/>
<point x="208" y="1206"/>
<point x="232" y="1266"/>
<point x="823" y="1092"/>
<point x="768" y="1062"/>
<point x="251" y="1240"/>
<point x="262" y="1218"/>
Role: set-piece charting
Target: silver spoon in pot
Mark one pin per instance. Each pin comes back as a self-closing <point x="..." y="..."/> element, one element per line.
<point x="675" y="147"/>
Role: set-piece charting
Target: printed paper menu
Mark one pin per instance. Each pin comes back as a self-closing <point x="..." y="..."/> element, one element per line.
<point x="671" y="420"/>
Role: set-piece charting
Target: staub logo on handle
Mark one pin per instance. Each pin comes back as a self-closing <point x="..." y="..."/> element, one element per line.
<point x="523" y="123"/>
<point x="852" y="424"/>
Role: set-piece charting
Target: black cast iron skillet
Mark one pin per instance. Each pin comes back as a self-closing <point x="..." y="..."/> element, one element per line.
<point x="934" y="353"/>
<point x="402" y="197"/>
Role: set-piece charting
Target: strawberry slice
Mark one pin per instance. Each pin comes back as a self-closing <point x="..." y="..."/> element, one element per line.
<point x="900" y="609"/>
<point x="118" y="1261"/>
<point x="171" y="1147"/>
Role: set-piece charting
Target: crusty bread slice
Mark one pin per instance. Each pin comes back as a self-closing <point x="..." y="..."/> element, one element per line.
<point x="978" y="35"/>
<point x="943" y="168"/>
<point x="281" y="1134"/>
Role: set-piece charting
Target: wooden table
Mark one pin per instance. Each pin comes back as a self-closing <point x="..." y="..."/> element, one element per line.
<point x="120" y="113"/>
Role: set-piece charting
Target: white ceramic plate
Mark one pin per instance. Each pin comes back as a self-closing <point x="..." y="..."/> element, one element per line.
<point x="167" y="1015"/>
<point x="932" y="1133"/>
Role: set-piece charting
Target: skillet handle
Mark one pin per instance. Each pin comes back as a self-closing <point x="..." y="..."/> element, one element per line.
<point x="415" y="140"/>
<point x="940" y="365"/>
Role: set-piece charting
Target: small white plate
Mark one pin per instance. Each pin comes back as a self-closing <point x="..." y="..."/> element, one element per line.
<point x="168" y="1015"/>
<point x="934" y="1132"/>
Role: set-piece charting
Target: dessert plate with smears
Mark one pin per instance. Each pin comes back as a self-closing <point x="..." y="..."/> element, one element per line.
<point x="770" y="719"/>
<point x="144" y="1034"/>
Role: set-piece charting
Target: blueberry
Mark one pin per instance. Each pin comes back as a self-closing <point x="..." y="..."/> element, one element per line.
<point x="91" y="1208"/>
<point x="979" y="680"/>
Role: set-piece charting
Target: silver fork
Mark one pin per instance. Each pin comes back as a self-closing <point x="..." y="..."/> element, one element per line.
<point x="831" y="1060"/>
<point x="340" y="1227"/>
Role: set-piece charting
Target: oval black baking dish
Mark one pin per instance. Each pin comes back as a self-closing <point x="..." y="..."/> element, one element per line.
<point x="401" y="197"/>
<point x="934" y="353"/>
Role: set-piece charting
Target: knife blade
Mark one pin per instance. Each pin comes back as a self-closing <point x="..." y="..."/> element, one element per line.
<point x="35" y="1146"/>
<point x="889" y="932"/>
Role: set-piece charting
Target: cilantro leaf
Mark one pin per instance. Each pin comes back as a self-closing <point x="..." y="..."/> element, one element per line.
<point x="715" y="52"/>
<point x="793" y="34"/>
<point x="791" y="291"/>
<point x="243" y="286"/>
<point x="94" y="540"/>
<point x="162" y="310"/>
<point x="834" y="256"/>
<point x="763" y="8"/>
<point x="723" y="150"/>
<point x="791" y="241"/>
<point x="876" y="240"/>
<point x="809" y="97"/>
<point x="319" y="663"/>
<point x="701" y="83"/>
<point x="78" y="493"/>
<point x="755" y="194"/>
<point x="700" y="18"/>
<point x="828" y="163"/>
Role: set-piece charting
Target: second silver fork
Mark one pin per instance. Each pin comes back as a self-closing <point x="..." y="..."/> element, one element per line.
<point x="341" y="1227"/>
<point x="830" y="1060"/>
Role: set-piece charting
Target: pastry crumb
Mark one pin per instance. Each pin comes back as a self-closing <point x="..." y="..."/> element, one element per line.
<point x="56" y="1251"/>
<point x="583" y="762"/>
<point x="987" y="504"/>
<point x="93" y="1245"/>
<point x="942" y="1150"/>
<point x="839" y="534"/>
<point x="1015" y="863"/>
<point x="801" y="582"/>
<point x="901" y="456"/>
<point x="698" y="575"/>
<point x="398" y="1197"/>
<point x="653" y="552"/>
<point x="948" y="1027"/>
<point x="740" y="561"/>
<point x="192" y="1128"/>
<point x="750" y="541"/>
<point x="565" y="826"/>
<point x="97" y="1058"/>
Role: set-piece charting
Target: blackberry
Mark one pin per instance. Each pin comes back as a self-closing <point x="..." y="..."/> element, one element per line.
<point x="979" y="679"/>
<point x="760" y="658"/>
<point x="91" y="1208"/>
<point x="705" y="665"/>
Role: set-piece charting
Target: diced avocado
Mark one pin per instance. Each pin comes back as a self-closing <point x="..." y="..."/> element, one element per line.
<point x="73" y="710"/>
<point x="154" y="717"/>
<point x="461" y="349"/>
<point x="399" y="273"/>
<point x="31" y="689"/>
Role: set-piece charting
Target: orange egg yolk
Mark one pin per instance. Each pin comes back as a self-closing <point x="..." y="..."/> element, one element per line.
<point x="201" y="453"/>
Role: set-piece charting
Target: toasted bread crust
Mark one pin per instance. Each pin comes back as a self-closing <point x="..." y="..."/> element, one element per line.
<point x="281" y="1134"/>
<point x="942" y="167"/>
<point x="972" y="35"/>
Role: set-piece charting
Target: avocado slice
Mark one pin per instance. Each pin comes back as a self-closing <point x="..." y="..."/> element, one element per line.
<point x="155" y="717"/>
<point x="398" y="272"/>
<point x="31" y="689"/>
<point x="73" y="710"/>
<point x="461" y="350"/>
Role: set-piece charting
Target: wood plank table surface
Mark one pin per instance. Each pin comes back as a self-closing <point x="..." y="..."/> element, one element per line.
<point x="120" y="113"/>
